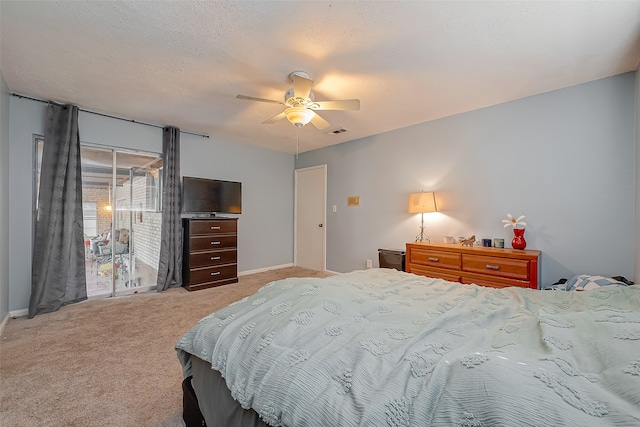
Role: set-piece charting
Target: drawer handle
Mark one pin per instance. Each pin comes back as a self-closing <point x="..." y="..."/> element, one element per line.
<point x="213" y="258"/>
<point x="215" y="227"/>
<point x="434" y="259"/>
<point x="492" y="267"/>
<point x="215" y="273"/>
<point x="215" y="243"/>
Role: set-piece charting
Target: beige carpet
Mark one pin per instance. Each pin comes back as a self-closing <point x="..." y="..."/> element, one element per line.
<point x="108" y="362"/>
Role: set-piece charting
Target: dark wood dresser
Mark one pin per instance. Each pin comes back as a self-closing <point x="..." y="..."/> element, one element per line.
<point x="494" y="267"/>
<point x="210" y="252"/>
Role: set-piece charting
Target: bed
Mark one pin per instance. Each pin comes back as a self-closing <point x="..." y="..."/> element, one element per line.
<point x="381" y="347"/>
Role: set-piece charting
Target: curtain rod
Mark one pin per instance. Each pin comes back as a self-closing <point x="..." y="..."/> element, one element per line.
<point x="111" y="117"/>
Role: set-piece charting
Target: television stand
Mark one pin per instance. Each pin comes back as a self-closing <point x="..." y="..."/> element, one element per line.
<point x="210" y="252"/>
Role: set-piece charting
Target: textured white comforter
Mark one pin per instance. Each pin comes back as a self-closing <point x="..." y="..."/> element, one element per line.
<point x="385" y="348"/>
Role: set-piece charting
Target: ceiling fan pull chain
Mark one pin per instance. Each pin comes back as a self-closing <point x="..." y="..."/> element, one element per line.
<point x="297" y="141"/>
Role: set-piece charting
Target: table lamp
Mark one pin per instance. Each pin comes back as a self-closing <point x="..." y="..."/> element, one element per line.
<point x="422" y="203"/>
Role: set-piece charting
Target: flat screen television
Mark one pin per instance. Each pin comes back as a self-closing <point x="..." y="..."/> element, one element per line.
<point x="211" y="196"/>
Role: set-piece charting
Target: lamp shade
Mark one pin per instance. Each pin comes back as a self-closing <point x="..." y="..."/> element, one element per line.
<point x="422" y="202"/>
<point x="299" y="116"/>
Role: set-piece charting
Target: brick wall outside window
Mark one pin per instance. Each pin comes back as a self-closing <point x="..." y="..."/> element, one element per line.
<point x="145" y="229"/>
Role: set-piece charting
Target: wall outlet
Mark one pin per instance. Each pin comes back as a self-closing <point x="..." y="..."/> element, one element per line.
<point x="369" y="263"/>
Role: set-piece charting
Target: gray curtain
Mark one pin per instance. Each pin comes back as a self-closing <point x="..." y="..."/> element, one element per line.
<point x="58" y="264"/>
<point x="170" y="265"/>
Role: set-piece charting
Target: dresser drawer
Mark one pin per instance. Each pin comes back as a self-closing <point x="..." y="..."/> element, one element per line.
<point x="213" y="226"/>
<point x="496" y="266"/>
<point x="433" y="258"/>
<point x="494" y="281"/>
<point x="206" y="259"/>
<point x="450" y="275"/>
<point x="207" y="243"/>
<point x="212" y="274"/>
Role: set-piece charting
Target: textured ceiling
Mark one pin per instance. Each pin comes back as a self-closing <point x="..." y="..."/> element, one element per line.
<point x="183" y="63"/>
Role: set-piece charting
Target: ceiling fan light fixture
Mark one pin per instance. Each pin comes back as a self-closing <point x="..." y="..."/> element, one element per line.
<point x="299" y="116"/>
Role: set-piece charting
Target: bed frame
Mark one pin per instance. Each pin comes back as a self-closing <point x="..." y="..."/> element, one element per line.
<point x="207" y="401"/>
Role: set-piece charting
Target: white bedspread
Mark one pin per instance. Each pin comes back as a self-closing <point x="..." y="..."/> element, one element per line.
<point x="385" y="348"/>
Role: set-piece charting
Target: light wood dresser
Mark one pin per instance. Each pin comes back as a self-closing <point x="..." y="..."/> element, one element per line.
<point x="495" y="267"/>
<point x="210" y="253"/>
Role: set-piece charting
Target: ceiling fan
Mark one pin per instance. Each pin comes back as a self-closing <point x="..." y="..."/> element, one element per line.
<point x="301" y="106"/>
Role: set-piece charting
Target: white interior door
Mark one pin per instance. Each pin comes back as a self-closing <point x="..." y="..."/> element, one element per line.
<point x="310" y="217"/>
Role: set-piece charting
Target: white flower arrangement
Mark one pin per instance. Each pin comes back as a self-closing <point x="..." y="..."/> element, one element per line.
<point x="514" y="222"/>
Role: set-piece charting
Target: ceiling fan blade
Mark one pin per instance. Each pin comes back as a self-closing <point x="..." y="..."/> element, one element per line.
<point x="301" y="86"/>
<point x="345" y="104"/>
<point x="319" y="122"/>
<point x="251" y="98"/>
<point x="275" y="118"/>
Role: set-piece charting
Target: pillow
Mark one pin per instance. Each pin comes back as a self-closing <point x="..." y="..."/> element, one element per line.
<point x="585" y="282"/>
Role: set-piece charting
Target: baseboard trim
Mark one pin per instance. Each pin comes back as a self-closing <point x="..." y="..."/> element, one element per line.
<point x="262" y="270"/>
<point x="19" y="313"/>
<point x="4" y="323"/>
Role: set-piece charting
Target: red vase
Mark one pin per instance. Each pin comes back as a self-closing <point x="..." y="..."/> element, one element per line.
<point x="518" y="241"/>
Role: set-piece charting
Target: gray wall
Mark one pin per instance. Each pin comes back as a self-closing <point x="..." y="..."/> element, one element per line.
<point x="4" y="198"/>
<point x="565" y="159"/>
<point x="265" y="227"/>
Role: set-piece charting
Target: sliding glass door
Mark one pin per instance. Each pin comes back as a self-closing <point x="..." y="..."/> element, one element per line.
<point x="121" y="207"/>
<point x="137" y="221"/>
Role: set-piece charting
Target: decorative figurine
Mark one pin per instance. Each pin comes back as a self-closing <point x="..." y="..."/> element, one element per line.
<point x="469" y="241"/>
